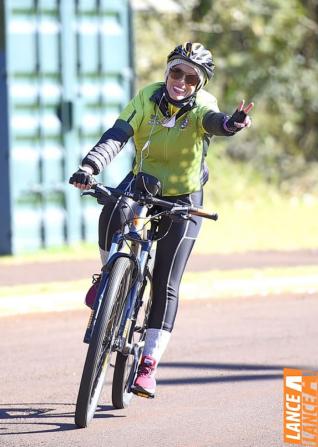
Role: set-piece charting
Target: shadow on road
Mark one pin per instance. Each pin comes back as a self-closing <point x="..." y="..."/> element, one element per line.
<point x="219" y="376"/>
<point x="42" y="415"/>
<point x="47" y="415"/>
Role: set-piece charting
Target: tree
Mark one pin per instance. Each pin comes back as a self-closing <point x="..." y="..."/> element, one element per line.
<point x="265" y="51"/>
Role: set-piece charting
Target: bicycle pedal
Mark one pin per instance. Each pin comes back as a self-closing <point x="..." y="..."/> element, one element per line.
<point x="87" y="338"/>
<point x="88" y="332"/>
<point x="142" y="394"/>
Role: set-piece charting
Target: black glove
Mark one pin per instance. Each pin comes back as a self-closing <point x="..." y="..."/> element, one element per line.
<point x="81" y="176"/>
<point x="240" y="119"/>
<point x="237" y="117"/>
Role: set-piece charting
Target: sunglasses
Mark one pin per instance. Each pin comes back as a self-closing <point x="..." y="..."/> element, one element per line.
<point x="177" y="73"/>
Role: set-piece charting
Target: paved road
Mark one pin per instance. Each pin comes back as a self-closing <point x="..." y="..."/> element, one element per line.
<point x="220" y="383"/>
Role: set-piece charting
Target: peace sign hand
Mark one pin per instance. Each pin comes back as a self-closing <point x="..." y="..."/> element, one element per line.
<point x="240" y="119"/>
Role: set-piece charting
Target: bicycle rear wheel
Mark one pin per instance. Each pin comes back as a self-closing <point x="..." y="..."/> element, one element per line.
<point x="101" y="346"/>
<point x="125" y="368"/>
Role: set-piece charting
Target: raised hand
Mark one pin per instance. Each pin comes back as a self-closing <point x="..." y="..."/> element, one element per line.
<point x="240" y="119"/>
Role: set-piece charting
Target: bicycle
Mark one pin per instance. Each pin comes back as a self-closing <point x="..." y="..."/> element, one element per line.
<point x="119" y="317"/>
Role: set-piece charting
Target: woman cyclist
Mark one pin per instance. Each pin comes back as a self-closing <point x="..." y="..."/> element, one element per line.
<point x="171" y="123"/>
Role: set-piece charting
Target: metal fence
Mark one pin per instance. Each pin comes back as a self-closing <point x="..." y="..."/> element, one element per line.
<point x="65" y="74"/>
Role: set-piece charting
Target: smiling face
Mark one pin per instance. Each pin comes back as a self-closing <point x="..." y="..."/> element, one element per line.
<point x="179" y="89"/>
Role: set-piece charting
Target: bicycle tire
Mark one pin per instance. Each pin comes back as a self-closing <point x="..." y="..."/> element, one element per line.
<point x="101" y="346"/>
<point x="121" y="396"/>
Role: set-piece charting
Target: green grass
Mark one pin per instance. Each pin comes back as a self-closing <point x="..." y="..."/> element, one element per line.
<point x="205" y="279"/>
<point x="261" y="225"/>
<point x="254" y="215"/>
<point x="45" y="288"/>
<point x="76" y="251"/>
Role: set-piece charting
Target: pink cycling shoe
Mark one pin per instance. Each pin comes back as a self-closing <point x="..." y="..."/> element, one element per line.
<point x="145" y="383"/>
<point x="92" y="291"/>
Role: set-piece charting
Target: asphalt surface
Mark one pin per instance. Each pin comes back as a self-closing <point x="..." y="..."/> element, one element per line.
<point x="40" y="272"/>
<point x="219" y="383"/>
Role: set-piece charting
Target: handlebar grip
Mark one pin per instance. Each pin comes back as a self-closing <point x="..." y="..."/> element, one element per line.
<point x="198" y="212"/>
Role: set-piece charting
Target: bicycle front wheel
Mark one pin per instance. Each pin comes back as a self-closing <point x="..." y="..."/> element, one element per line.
<point x="101" y="346"/>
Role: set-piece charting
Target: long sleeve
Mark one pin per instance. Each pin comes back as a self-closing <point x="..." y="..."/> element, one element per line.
<point x="115" y="138"/>
<point x="110" y="144"/>
<point x="213" y="123"/>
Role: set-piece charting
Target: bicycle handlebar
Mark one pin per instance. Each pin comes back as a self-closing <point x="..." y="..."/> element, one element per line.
<point x="147" y="199"/>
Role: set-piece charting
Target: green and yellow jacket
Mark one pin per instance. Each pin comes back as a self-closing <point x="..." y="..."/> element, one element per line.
<point x="175" y="155"/>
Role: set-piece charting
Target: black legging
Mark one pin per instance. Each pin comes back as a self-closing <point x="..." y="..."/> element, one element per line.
<point x="172" y="253"/>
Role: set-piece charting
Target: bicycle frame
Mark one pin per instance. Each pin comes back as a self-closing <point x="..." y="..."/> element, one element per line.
<point x="139" y="240"/>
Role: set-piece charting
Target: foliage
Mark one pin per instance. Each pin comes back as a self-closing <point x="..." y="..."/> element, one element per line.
<point x="253" y="214"/>
<point x="265" y="51"/>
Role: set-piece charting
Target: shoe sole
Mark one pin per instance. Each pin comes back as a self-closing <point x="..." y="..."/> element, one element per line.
<point x="141" y="392"/>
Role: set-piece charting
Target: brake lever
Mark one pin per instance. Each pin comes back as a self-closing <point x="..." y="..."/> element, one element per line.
<point x="188" y="217"/>
<point x="177" y="217"/>
<point x="191" y="219"/>
<point x="89" y="192"/>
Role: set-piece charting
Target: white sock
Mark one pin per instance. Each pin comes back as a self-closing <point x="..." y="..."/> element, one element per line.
<point x="156" y="341"/>
<point x="103" y="255"/>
